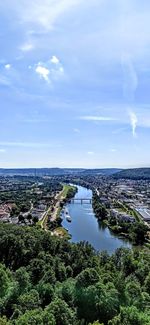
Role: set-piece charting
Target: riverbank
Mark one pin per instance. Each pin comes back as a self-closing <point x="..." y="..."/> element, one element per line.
<point x="53" y="212"/>
<point x="84" y="226"/>
<point x="124" y="223"/>
<point x="55" y="220"/>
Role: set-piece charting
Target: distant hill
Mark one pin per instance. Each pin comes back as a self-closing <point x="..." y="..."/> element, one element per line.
<point x="31" y="171"/>
<point x="56" y="171"/>
<point x="104" y="171"/>
<point x="134" y="173"/>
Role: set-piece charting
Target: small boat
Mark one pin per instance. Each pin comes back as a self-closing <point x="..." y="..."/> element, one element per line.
<point x="68" y="218"/>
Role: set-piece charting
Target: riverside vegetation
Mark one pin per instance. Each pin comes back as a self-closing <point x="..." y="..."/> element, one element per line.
<point x="47" y="280"/>
<point x="67" y="193"/>
<point x="136" y="232"/>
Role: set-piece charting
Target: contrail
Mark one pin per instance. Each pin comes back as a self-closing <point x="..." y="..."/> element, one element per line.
<point x="133" y="121"/>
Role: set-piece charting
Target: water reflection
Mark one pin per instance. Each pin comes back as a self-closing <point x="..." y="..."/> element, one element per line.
<point x="85" y="226"/>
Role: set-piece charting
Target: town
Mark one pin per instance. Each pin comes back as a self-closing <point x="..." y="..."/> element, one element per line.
<point x="38" y="200"/>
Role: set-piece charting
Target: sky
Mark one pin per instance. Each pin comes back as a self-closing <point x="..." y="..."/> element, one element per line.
<point x="74" y="83"/>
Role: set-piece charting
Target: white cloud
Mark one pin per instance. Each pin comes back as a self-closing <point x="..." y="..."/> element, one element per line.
<point x="7" y="66"/>
<point x="43" y="72"/>
<point x="97" y="118"/>
<point x="54" y="60"/>
<point x="4" y="81"/>
<point x="61" y="70"/>
<point x="120" y="130"/>
<point x="113" y="150"/>
<point x="133" y="122"/>
<point x="130" y="82"/>
<point x="49" y="70"/>
<point x="25" y="144"/>
<point x="76" y="130"/>
<point x="26" y="47"/>
<point x="2" y="150"/>
<point x="90" y="153"/>
<point x="37" y="13"/>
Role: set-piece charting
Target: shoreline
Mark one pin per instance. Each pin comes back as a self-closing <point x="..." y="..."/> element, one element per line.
<point x="67" y="193"/>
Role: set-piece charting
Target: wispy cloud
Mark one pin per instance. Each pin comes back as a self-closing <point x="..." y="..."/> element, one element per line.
<point x="90" y="153"/>
<point x="2" y="150"/>
<point x="97" y="118"/>
<point x="26" y="144"/>
<point x="26" y="47"/>
<point x="40" y="13"/>
<point x="76" y="130"/>
<point x="130" y="78"/>
<point x="113" y="150"/>
<point x="120" y="130"/>
<point x="133" y="122"/>
<point x="4" y="81"/>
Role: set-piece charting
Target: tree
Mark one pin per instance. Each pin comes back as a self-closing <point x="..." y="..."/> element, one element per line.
<point x="61" y="311"/>
<point x="4" y="281"/>
<point x="29" y="217"/>
<point x="138" y="232"/>
<point x="29" y="301"/>
<point x="23" y="279"/>
<point x="3" y="321"/>
<point x="130" y="316"/>
<point x="35" y="219"/>
<point x="21" y="218"/>
<point x="96" y="323"/>
<point x="14" y="210"/>
<point x="133" y="293"/>
<point x="147" y="283"/>
<point x="68" y="291"/>
<point x="46" y="293"/>
<point x="87" y="277"/>
<point x="36" y="317"/>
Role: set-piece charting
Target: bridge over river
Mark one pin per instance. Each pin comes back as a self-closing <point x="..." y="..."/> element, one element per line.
<point x="84" y="226"/>
<point x="81" y="200"/>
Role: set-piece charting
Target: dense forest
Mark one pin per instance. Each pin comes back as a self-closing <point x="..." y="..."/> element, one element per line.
<point x="47" y="280"/>
<point x="133" y="173"/>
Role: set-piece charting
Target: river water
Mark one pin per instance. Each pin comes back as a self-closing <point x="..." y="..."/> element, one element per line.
<point x="85" y="227"/>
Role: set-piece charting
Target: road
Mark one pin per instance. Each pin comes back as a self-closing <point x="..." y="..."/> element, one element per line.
<point x="45" y="216"/>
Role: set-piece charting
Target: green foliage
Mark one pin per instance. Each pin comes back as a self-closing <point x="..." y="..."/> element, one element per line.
<point x="96" y="323"/>
<point x="3" y="321"/>
<point x="46" y="293"/>
<point x="4" y="281"/>
<point x="136" y="232"/>
<point x="87" y="277"/>
<point x="23" y="279"/>
<point x="36" y="317"/>
<point x="45" y="280"/>
<point x="61" y="311"/>
<point x="130" y="316"/>
<point x="99" y="210"/>
<point x="29" y="301"/>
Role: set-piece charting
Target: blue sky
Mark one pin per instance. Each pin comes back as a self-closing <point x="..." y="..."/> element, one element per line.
<point x="74" y="83"/>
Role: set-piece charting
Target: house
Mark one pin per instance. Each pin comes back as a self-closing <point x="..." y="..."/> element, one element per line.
<point x="121" y="216"/>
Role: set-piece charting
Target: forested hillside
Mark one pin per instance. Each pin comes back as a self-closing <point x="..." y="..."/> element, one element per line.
<point x="45" y="280"/>
<point x="133" y="173"/>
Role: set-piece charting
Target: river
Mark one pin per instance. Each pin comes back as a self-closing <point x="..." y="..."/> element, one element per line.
<point x="85" y="227"/>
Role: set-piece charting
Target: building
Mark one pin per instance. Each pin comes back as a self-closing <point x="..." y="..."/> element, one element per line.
<point x="145" y="213"/>
<point x="121" y="216"/>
